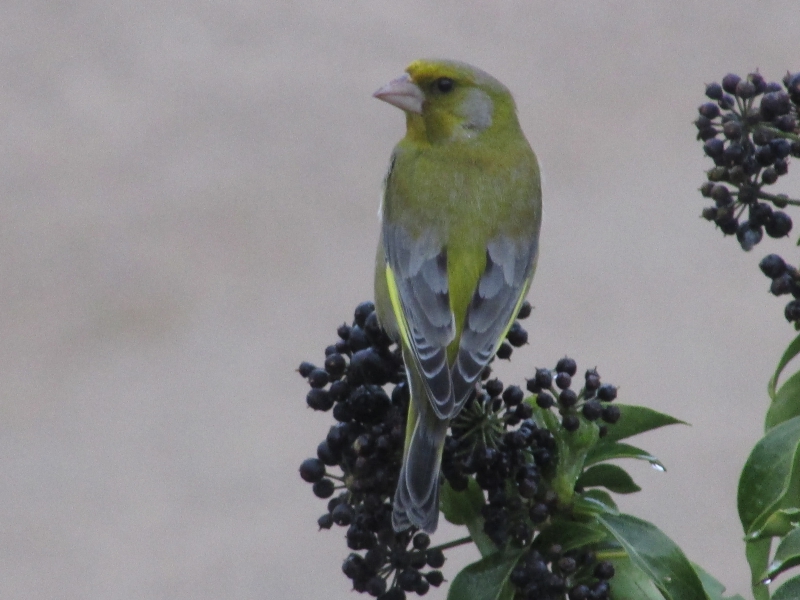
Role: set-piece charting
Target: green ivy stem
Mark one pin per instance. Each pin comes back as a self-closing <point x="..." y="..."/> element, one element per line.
<point x="569" y="469"/>
<point x="743" y="106"/>
<point x="784" y="134"/>
<point x="572" y="451"/>
<point x="610" y="554"/>
<point x="778" y="198"/>
<point x="453" y="544"/>
<point x="742" y="208"/>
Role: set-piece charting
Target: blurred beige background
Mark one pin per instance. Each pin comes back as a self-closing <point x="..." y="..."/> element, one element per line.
<point x="188" y="210"/>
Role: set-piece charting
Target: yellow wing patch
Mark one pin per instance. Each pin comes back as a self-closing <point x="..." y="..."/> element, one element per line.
<point x="394" y="296"/>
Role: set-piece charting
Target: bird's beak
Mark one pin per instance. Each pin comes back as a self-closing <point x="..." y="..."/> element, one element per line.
<point x="402" y="93"/>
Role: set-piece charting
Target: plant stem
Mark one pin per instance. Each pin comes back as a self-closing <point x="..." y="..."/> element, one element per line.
<point x="453" y="544"/>
<point x="783" y="134"/>
<point x="773" y="197"/>
<point x="607" y="554"/>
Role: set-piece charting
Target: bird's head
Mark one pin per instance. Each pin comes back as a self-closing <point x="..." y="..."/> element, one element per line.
<point x="450" y="101"/>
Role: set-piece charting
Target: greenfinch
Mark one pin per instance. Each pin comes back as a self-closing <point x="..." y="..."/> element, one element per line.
<point x="460" y="222"/>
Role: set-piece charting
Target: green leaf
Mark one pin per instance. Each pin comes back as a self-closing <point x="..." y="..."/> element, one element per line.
<point x="464" y="508"/>
<point x="612" y="477"/>
<point x="713" y="588"/>
<point x="461" y="507"/>
<point x="486" y="579"/>
<point x="789" y="590"/>
<point x="544" y="417"/>
<point x="769" y="480"/>
<point x="570" y="534"/>
<point x="572" y="447"/>
<point x="785" y="403"/>
<point x="631" y="583"/>
<point x="637" y="419"/>
<point x="657" y="555"/>
<point x="792" y="351"/>
<point x="786" y="556"/>
<point x="610" y="450"/>
<point x="757" y="553"/>
<point x="593" y="502"/>
<point x="779" y="523"/>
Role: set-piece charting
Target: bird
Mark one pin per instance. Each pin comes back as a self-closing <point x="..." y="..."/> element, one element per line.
<point x="459" y="240"/>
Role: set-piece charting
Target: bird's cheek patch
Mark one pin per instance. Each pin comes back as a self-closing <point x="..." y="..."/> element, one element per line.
<point x="477" y="110"/>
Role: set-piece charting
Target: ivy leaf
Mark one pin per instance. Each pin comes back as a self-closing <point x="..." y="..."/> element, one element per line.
<point x="593" y="502"/>
<point x="785" y="403"/>
<point x="770" y="479"/>
<point x="713" y="588"/>
<point x="464" y="508"/>
<point x="789" y="590"/>
<point x="779" y="523"/>
<point x="637" y="419"/>
<point x="786" y="556"/>
<point x="610" y="450"/>
<point x="612" y="477"/>
<point x="486" y="579"/>
<point x="792" y="351"/>
<point x="631" y="582"/>
<point x="656" y="555"/>
<point x="573" y="446"/>
<point x="570" y="535"/>
<point x="757" y="553"/>
<point x="461" y="507"/>
<point x="544" y="417"/>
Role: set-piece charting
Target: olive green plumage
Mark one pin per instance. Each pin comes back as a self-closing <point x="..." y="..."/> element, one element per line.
<point x="459" y="238"/>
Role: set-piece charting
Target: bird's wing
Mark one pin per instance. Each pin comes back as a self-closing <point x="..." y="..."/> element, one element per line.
<point x="416" y="273"/>
<point x="495" y="303"/>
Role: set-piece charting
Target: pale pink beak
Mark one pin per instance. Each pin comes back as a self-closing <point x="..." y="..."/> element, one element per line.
<point x="402" y="93"/>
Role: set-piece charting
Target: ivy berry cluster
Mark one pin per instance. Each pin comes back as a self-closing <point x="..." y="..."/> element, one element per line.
<point x="495" y="440"/>
<point x="749" y="128"/>
<point x="547" y="575"/>
<point x="592" y="401"/>
<point x="494" y="443"/>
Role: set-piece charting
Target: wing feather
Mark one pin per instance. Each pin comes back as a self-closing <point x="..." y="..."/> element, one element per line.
<point x="417" y="267"/>
<point x="492" y="309"/>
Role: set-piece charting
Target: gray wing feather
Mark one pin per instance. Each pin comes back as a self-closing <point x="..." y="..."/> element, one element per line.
<point x="509" y="267"/>
<point x="420" y="270"/>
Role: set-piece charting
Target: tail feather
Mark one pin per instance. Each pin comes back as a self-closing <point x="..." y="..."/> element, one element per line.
<point x="416" y="501"/>
<point x="407" y="514"/>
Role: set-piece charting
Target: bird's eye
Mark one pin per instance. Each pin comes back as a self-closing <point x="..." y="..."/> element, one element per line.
<point x="444" y="84"/>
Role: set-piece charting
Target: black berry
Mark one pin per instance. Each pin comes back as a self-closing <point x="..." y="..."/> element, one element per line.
<point x="504" y="351"/>
<point x="312" y="470"/>
<point x="714" y="91"/>
<point x="323" y="488"/>
<point x="513" y="395"/>
<point x="779" y="224"/>
<point x="517" y="336"/>
<point x="772" y="266"/>
<point x="305" y="369"/>
<point x="592" y="410"/>
<point x="607" y="392"/>
<point x="318" y="378"/>
<point x="566" y="365"/>
<point x="729" y="82"/>
<point x="611" y="414"/>
<point x="362" y="311"/>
